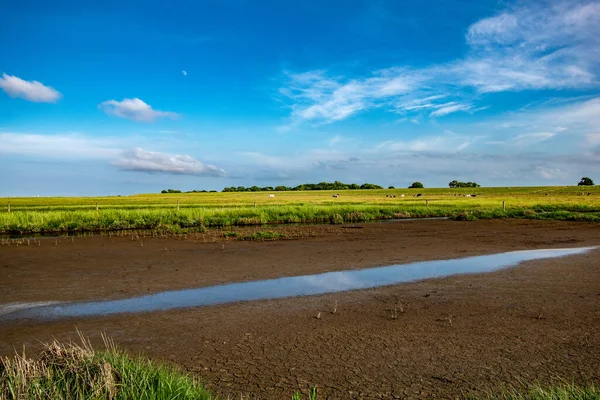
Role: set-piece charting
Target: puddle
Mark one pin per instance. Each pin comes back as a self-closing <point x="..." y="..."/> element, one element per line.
<point x="13" y="307"/>
<point x="308" y="285"/>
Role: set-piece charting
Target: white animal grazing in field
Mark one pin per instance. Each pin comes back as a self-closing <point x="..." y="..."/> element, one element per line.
<point x="401" y="195"/>
<point x="271" y="196"/>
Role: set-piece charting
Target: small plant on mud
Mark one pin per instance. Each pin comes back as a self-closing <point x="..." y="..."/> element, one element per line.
<point x="264" y="236"/>
<point x="230" y="234"/>
<point x="312" y="394"/>
<point x="465" y="216"/>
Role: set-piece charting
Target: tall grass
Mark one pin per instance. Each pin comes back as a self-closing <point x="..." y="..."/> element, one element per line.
<point x="72" y="371"/>
<point x="195" y="212"/>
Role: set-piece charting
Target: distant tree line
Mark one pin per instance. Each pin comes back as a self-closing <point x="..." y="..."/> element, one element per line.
<point x="189" y="191"/>
<point x="337" y="185"/>
<point x="585" y="181"/>
<point x="457" y="184"/>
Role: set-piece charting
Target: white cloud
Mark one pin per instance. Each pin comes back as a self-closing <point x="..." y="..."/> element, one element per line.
<point x="134" y="109"/>
<point x="29" y="90"/>
<point x="184" y="73"/>
<point x="500" y="28"/>
<point x="148" y="161"/>
<point x="526" y="139"/>
<point x="320" y="97"/>
<point x="448" y="108"/>
<point x="573" y="118"/>
<point x="551" y="45"/>
<point x="548" y="45"/>
<point x="335" y="140"/>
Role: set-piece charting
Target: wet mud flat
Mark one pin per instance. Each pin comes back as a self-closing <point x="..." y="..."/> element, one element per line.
<point x="434" y="338"/>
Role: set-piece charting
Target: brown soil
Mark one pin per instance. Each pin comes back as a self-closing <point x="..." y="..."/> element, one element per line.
<point x="464" y="334"/>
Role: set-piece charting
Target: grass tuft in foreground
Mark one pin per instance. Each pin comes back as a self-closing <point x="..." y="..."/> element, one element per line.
<point x="72" y="371"/>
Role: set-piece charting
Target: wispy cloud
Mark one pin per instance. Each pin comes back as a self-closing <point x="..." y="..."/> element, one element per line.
<point x="320" y="97"/>
<point x="525" y="139"/>
<point x="537" y="45"/>
<point x="33" y="91"/>
<point x="134" y="109"/>
<point x="184" y="73"/>
<point x="335" y="140"/>
<point x="74" y="146"/>
<point x="148" y="161"/>
<point x="448" y="143"/>
<point x="449" y="108"/>
<point x="575" y="118"/>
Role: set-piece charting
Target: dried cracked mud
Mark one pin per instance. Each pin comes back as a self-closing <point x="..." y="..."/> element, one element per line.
<point x="440" y="338"/>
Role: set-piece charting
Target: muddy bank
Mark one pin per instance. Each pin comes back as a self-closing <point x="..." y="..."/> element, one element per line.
<point x="115" y="267"/>
<point x="432" y="339"/>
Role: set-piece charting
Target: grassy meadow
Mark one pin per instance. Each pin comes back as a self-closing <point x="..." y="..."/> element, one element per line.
<point x="183" y="212"/>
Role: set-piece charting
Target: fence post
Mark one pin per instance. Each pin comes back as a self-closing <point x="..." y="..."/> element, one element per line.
<point x="177" y="205"/>
<point x="427" y="203"/>
<point x="503" y="206"/>
<point x="96" y="206"/>
<point x="9" y="207"/>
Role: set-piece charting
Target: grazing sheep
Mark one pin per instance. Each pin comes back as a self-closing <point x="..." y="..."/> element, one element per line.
<point x="420" y="194"/>
<point x="589" y="193"/>
<point x="467" y="195"/>
<point x="336" y="196"/>
<point x="401" y="195"/>
<point x="271" y="196"/>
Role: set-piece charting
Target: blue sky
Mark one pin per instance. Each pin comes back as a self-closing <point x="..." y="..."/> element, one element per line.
<point x="115" y="97"/>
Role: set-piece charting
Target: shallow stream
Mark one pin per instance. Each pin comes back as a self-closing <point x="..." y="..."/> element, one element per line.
<point x="308" y="285"/>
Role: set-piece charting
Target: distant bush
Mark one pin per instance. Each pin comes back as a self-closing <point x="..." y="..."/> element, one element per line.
<point x="585" y="181"/>
<point x="171" y="191"/>
<point x="416" y="185"/>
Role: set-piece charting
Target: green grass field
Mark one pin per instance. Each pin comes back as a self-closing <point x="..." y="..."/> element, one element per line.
<point x="196" y="211"/>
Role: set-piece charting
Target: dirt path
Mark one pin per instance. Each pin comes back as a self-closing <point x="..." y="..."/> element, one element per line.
<point x="539" y="321"/>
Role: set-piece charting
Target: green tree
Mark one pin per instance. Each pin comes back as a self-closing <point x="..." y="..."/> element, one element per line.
<point x="416" y="185"/>
<point x="585" y="181"/>
<point x="457" y="184"/>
